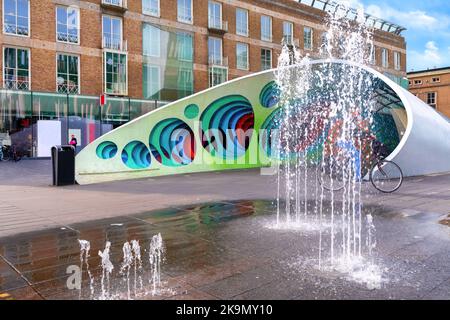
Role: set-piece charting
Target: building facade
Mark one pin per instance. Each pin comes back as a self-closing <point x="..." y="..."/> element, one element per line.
<point x="433" y="87"/>
<point x="140" y="50"/>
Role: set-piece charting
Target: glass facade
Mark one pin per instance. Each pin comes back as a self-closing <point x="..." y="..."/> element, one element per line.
<point x="168" y="63"/>
<point x="20" y="112"/>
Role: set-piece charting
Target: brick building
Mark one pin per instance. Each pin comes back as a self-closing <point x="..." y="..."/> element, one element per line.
<point x="433" y="87"/>
<point x="58" y="56"/>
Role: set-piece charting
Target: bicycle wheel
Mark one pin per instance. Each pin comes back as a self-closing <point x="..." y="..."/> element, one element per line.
<point x="386" y="176"/>
<point x="331" y="177"/>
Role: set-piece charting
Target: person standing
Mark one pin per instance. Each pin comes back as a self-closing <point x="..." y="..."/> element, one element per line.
<point x="73" y="142"/>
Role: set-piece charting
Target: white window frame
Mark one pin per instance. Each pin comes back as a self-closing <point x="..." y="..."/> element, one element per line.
<point x="247" y="67"/>
<point x="150" y="12"/>
<point x="291" y="24"/>
<point x="179" y="56"/>
<point x="270" y="38"/>
<point x="15" y="34"/>
<point x="184" y="87"/>
<point x="433" y="105"/>
<point x="397" y="60"/>
<point x="29" y="63"/>
<point x="159" y="42"/>
<point x="246" y="33"/>
<point x="310" y="48"/>
<point x="158" y="68"/>
<point x="385" y="58"/>
<point x="372" y="54"/>
<point x="78" y="67"/>
<point x="271" y="58"/>
<point x="104" y="71"/>
<point x="221" y="49"/>
<point x="211" y="71"/>
<point x="418" y="82"/>
<point x="121" y="44"/>
<point x="78" y="24"/>
<point x="211" y="21"/>
<point x="179" y="19"/>
<point x="435" y="80"/>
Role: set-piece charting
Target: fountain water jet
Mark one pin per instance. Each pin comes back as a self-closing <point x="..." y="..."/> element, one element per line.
<point x="324" y="133"/>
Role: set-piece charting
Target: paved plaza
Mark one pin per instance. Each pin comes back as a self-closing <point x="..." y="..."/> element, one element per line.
<point x="218" y="237"/>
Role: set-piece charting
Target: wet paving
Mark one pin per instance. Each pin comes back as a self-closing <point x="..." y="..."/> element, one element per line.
<point x="227" y="250"/>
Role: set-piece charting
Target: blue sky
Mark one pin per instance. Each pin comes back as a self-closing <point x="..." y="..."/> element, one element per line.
<point x="428" y="24"/>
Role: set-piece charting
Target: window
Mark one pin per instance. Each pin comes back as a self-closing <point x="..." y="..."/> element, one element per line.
<point x="308" y="38"/>
<point x="372" y="53"/>
<point x="431" y="99"/>
<point x="384" y="58"/>
<point x="215" y="51"/>
<point x="436" y="80"/>
<point x="217" y="76"/>
<point x="112" y="33"/>
<point x="151" y="38"/>
<point x="116" y="82"/>
<point x="242" y="56"/>
<point x="215" y="15"/>
<point x="152" y="82"/>
<point x="397" y="61"/>
<point x="67" y="80"/>
<point x="417" y="82"/>
<point x="185" y="49"/>
<point x="266" y="59"/>
<point x="288" y="33"/>
<point x="218" y="70"/>
<point x="185" y="11"/>
<point x="151" y="7"/>
<point x="185" y="82"/>
<point x="266" y="28"/>
<point x="16" y="68"/>
<point x="67" y="24"/>
<point x="242" y="22"/>
<point x="16" y="17"/>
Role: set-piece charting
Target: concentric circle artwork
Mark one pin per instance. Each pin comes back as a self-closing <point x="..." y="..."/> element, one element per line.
<point x="172" y="143"/>
<point x="136" y="155"/>
<point x="227" y="126"/>
<point x="270" y="95"/>
<point x="269" y="129"/>
<point x="106" y="150"/>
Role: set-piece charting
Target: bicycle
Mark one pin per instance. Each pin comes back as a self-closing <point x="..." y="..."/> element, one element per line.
<point x="8" y="153"/>
<point x="386" y="176"/>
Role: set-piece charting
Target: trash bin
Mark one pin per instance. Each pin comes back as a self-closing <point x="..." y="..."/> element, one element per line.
<point x="63" y="163"/>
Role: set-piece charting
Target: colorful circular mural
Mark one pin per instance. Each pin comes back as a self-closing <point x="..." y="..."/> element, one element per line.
<point x="172" y="143"/>
<point x="106" y="150"/>
<point x="270" y="95"/>
<point x="191" y="111"/>
<point x="227" y="126"/>
<point x="136" y="155"/>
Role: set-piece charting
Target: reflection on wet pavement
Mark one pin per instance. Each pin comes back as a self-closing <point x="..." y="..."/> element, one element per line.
<point x="224" y="250"/>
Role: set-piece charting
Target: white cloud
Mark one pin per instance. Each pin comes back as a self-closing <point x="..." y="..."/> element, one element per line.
<point x="414" y="20"/>
<point x="430" y="57"/>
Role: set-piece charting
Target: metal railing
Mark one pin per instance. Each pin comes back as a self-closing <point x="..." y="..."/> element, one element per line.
<point x="218" y="61"/>
<point x="66" y="37"/>
<point x="117" y="3"/>
<point x="17" y="84"/>
<point x="217" y="24"/>
<point x="15" y="29"/>
<point x="112" y="43"/>
<point x="68" y="88"/>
